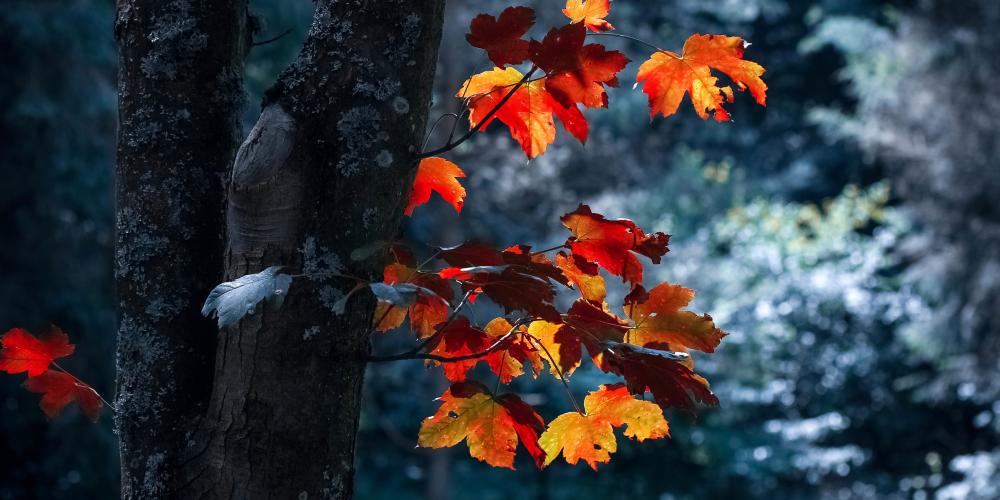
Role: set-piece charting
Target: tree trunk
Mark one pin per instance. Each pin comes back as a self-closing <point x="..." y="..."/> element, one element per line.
<point x="326" y="170"/>
<point x="180" y="96"/>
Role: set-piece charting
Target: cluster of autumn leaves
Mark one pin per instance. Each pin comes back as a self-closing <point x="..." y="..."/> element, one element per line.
<point x="647" y="345"/>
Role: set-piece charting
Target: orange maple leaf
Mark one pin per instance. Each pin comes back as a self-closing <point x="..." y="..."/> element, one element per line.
<point x="612" y="244"/>
<point x="591" y="437"/>
<point x="590" y="12"/>
<point x="528" y="113"/>
<point x="584" y="275"/>
<point x="438" y="175"/>
<point x="490" y="425"/>
<point x="660" y="322"/>
<point x="501" y="37"/>
<point x="23" y="352"/>
<point x="59" y="389"/>
<point x="425" y="313"/>
<point x="666" y="76"/>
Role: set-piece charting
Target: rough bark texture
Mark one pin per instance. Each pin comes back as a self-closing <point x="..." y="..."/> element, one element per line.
<point x="180" y="95"/>
<point x="326" y="170"/>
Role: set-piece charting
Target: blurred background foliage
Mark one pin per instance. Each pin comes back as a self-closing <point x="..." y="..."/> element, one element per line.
<point x="847" y="236"/>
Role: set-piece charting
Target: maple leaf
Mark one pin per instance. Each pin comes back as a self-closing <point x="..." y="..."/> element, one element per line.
<point x="528" y="113"/>
<point x="512" y="287"/>
<point x="559" y="345"/>
<point x="455" y="339"/>
<point x="576" y="73"/>
<point x="612" y="243"/>
<point x="23" y="352"/>
<point x="583" y="275"/>
<point x="660" y="322"/>
<point x="591" y="437"/>
<point x="59" y="389"/>
<point x="508" y="363"/>
<point x="596" y="324"/>
<point x="590" y="12"/>
<point x="438" y="175"/>
<point x="672" y="383"/>
<point x="502" y="37"/>
<point x="427" y="310"/>
<point x="471" y="254"/>
<point x="491" y="426"/>
<point x="388" y="317"/>
<point x="534" y="264"/>
<point x="666" y="76"/>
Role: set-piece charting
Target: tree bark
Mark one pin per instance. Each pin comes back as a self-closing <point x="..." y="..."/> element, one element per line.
<point x="326" y="170"/>
<point x="180" y="97"/>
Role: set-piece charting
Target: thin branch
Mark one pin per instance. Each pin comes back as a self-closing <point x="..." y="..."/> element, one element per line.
<point x="453" y="144"/>
<point x="451" y="359"/>
<point x="547" y="250"/>
<point x="271" y="40"/>
<point x="419" y="347"/>
<point x="627" y="37"/>
<point x="67" y="372"/>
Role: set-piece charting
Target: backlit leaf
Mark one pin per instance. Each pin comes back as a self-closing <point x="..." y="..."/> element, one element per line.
<point x="490" y="426"/>
<point x="612" y="244"/>
<point x="590" y="12"/>
<point x="440" y="176"/>
<point x="667" y="77"/>
<point x="591" y="437"/>
<point x="23" y="352"/>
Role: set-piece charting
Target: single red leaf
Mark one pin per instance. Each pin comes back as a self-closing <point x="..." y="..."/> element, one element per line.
<point x="23" y="352"/>
<point x="502" y="37"/>
<point x="59" y="389"/>
<point x="438" y="175"/>
<point x="471" y="254"/>
<point x="671" y="383"/>
<point x="613" y="243"/>
<point x="576" y="73"/>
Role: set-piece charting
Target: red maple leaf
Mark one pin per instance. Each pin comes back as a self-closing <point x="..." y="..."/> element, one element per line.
<point x="613" y="243"/>
<point x="576" y="73"/>
<point x="23" y="352"/>
<point x="438" y="175"/>
<point x="502" y="37"/>
<point x="59" y="389"/>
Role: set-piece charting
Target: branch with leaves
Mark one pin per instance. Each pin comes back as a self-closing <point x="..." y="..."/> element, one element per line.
<point x="645" y="340"/>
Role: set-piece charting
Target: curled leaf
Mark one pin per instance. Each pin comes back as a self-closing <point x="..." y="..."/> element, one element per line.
<point x="233" y="300"/>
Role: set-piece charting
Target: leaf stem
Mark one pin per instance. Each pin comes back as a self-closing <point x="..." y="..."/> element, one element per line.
<point x="449" y="359"/>
<point x="67" y="372"/>
<point x="562" y="376"/>
<point x="627" y="37"/>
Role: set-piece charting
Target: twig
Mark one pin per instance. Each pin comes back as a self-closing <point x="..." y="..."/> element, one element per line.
<point x="419" y="347"/>
<point x="562" y="377"/>
<point x="634" y="39"/>
<point x="453" y="144"/>
<point x="450" y="359"/>
<point x="547" y="250"/>
<point x="105" y="401"/>
<point x="271" y="40"/>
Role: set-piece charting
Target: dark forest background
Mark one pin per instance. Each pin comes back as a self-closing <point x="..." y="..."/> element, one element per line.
<point x="848" y="236"/>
